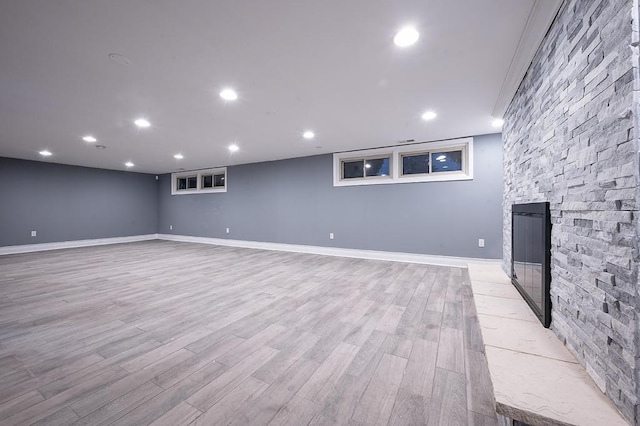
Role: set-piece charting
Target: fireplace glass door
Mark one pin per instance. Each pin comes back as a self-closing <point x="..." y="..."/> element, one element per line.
<point x="530" y="257"/>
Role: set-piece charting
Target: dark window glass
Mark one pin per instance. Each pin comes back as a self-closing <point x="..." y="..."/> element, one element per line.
<point x="415" y="164"/>
<point x="182" y="183"/>
<point x="377" y="167"/>
<point x="450" y="161"/>
<point x="192" y="182"/>
<point x="207" y="181"/>
<point x="352" y="169"/>
<point x="218" y="180"/>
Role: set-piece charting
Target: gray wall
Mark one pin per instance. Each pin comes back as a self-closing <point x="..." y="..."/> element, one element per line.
<point x="570" y="138"/>
<point x="294" y="201"/>
<point x="64" y="203"/>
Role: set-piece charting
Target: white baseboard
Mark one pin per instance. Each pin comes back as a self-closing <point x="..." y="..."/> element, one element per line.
<point x="28" y="248"/>
<point x="461" y="262"/>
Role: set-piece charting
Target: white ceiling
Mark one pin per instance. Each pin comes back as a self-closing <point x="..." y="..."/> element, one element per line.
<point x="329" y="66"/>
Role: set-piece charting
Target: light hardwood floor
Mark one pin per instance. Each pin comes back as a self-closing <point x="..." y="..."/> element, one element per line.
<point x="168" y="333"/>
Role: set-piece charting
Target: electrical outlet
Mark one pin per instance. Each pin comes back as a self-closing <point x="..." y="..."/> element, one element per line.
<point x="170" y="227"/>
<point x="34" y="233"/>
<point x="227" y="230"/>
<point x="331" y="235"/>
<point x="481" y="242"/>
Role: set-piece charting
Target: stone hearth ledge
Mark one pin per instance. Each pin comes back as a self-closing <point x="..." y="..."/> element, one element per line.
<point x="535" y="378"/>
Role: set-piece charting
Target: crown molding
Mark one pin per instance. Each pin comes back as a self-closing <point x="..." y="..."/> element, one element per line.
<point x="542" y="14"/>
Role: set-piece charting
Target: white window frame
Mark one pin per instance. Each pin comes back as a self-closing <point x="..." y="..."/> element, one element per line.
<point x="198" y="174"/>
<point x="396" y="154"/>
<point x="370" y="154"/>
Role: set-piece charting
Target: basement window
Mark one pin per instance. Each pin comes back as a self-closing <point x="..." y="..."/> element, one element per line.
<point x="416" y="164"/>
<point x="424" y="162"/>
<point x="219" y="180"/>
<point x="366" y="168"/>
<point x="199" y="181"/>
<point x="438" y="161"/>
<point x="207" y="181"/>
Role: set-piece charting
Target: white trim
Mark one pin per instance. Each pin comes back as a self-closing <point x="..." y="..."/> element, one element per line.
<point x="29" y="248"/>
<point x="460" y="262"/>
<point x="542" y="14"/>
<point x="395" y="176"/>
<point x="198" y="174"/>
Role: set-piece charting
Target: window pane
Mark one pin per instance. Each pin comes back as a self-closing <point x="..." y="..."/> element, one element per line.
<point x="377" y="167"/>
<point x="353" y="169"/>
<point x="207" y="181"/>
<point x="415" y="164"/>
<point x="218" y="181"/>
<point x="450" y="161"/>
<point x="192" y="182"/>
<point x="182" y="183"/>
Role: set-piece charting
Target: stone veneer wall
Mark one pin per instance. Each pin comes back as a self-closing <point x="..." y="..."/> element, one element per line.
<point x="570" y="139"/>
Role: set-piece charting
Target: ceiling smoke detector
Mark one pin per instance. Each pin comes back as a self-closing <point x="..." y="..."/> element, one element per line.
<point x="119" y="59"/>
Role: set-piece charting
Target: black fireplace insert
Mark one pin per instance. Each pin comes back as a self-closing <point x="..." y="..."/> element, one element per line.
<point x="531" y="256"/>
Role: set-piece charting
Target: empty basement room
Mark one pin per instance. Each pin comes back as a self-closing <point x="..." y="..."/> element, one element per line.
<point x="319" y="213"/>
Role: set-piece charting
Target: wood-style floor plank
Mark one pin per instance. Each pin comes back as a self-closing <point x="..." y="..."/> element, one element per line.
<point x="174" y="333"/>
<point x="421" y="369"/>
<point x="410" y="409"/>
<point x="325" y="378"/>
<point x="263" y="408"/>
<point x="451" y="350"/>
<point x="119" y="407"/>
<point x="379" y="397"/>
<point x="20" y="403"/>
<point x="448" y="404"/>
<point x="479" y="388"/>
<point x="181" y="414"/>
<point x="224" y="411"/>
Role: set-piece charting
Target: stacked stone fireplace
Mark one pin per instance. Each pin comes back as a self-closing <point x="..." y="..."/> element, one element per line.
<point x="570" y="138"/>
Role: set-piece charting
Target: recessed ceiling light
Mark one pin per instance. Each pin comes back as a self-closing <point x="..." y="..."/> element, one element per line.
<point x="89" y="138"/>
<point x="233" y="148"/>
<point x="229" y="95"/>
<point x="308" y="134"/>
<point x="100" y="147"/>
<point x="429" y="115"/>
<point x="45" y="153"/>
<point x="498" y="122"/>
<point x="129" y="164"/>
<point x="406" y="37"/>
<point x="141" y="122"/>
<point x="441" y="157"/>
<point x="368" y="166"/>
<point x="178" y="157"/>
